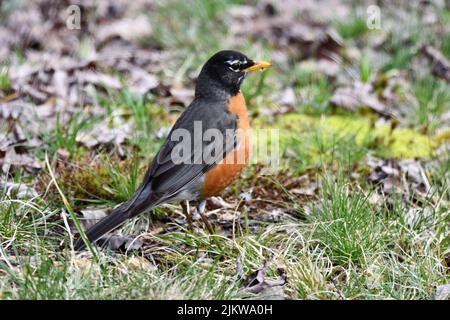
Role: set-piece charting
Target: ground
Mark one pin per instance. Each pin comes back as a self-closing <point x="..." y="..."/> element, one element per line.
<point x="358" y="207"/>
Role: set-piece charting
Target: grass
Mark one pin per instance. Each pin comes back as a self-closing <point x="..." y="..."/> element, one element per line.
<point x="353" y="27"/>
<point x="336" y="244"/>
<point x="4" y="79"/>
<point x="348" y="229"/>
<point x="365" y="70"/>
<point x="316" y="90"/>
<point x="433" y="98"/>
<point x="346" y="248"/>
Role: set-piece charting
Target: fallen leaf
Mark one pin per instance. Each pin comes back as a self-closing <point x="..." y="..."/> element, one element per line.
<point x="256" y="282"/>
<point x="353" y="98"/>
<point x="117" y="242"/>
<point x="181" y="95"/>
<point x="405" y="176"/>
<point x="443" y="292"/>
<point x="218" y="203"/>
<point x="141" y="82"/>
<point x="439" y="64"/>
<point x="86" y="266"/>
<point x="280" y="25"/>
<point x="138" y="263"/>
<point x="92" y="216"/>
<point x="288" y="98"/>
<point x="246" y="195"/>
<point x="415" y="215"/>
<point x="100" y="79"/>
<point x="131" y="29"/>
<point x="309" y="190"/>
<point x="18" y="190"/>
<point x="13" y="159"/>
<point x="102" y="134"/>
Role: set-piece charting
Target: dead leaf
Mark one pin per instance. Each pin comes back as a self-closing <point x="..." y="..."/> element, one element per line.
<point x="288" y="98"/>
<point x="227" y="216"/>
<point x="141" y="82"/>
<point x="18" y="190"/>
<point x="246" y="196"/>
<point x="117" y="242"/>
<point x="102" y="134"/>
<point x="415" y="215"/>
<point x="138" y="263"/>
<point x="256" y="282"/>
<point x="86" y="266"/>
<point x="182" y="96"/>
<point x="405" y="176"/>
<point x="63" y="154"/>
<point x="92" y="216"/>
<point x="439" y="64"/>
<point x="13" y="159"/>
<point x="218" y="203"/>
<point x="309" y="190"/>
<point x="100" y="79"/>
<point x="353" y="98"/>
<point x="131" y="29"/>
<point x="294" y="27"/>
<point x="443" y="292"/>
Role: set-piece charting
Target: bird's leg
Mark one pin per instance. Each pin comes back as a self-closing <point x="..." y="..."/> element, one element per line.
<point x="187" y="213"/>
<point x="201" y="210"/>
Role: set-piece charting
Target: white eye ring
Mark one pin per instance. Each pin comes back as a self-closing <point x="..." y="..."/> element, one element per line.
<point x="235" y="64"/>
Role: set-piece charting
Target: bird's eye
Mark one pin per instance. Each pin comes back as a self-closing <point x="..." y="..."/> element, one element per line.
<point x="234" y="65"/>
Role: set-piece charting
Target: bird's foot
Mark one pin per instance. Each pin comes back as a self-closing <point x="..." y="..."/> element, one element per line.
<point x="201" y="210"/>
<point x="187" y="213"/>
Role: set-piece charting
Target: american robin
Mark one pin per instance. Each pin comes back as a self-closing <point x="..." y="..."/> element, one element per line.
<point x="213" y="152"/>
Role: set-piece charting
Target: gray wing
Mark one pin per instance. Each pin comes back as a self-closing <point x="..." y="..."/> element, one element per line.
<point x="167" y="177"/>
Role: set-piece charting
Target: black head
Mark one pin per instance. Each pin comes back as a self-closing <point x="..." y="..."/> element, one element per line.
<point x="226" y="70"/>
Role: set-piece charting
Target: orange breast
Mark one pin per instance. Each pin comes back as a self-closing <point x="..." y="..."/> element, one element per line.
<point x="226" y="171"/>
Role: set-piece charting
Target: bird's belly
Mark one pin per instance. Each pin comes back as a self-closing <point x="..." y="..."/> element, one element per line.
<point x="230" y="168"/>
<point x="223" y="174"/>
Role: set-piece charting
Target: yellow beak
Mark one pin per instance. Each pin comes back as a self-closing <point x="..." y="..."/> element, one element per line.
<point x="259" y="65"/>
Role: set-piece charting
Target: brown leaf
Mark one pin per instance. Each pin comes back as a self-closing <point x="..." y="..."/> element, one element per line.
<point x="141" y="82"/>
<point x="218" y="203"/>
<point x="92" y="216"/>
<point x="280" y="24"/>
<point x="407" y="176"/>
<point x="100" y="79"/>
<point x="352" y="98"/>
<point x="13" y="159"/>
<point x="257" y="283"/>
<point x="18" y="190"/>
<point x="443" y="292"/>
<point x="440" y="65"/>
<point x="130" y="29"/>
<point x="104" y="135"/>
<point x="309" y="190"/>
<point x="182" y="95"/>
<point x="117" y="242"/>
<point x="288" y="98"/>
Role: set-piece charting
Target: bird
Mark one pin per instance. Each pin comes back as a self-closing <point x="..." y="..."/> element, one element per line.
<point x="194" y="169"/>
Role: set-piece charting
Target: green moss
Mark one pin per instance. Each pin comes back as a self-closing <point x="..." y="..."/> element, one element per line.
<point x="311" y="140"/>
<point x="404" y="143"/>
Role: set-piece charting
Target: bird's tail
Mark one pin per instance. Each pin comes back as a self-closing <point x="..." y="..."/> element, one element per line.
<point x="140" y="202"/>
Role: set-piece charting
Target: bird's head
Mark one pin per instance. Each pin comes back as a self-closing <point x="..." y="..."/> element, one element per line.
<point x="228" y="69"/>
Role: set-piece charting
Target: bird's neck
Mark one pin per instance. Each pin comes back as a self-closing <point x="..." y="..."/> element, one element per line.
<point x="208" y="87"/>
